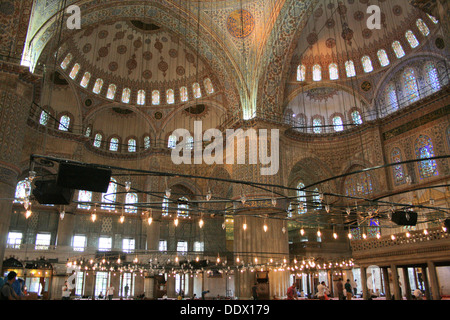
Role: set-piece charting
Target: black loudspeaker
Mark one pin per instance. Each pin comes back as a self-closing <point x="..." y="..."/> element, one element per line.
<point x="81" y="177"/>
<point x="48" y="192"/>
<point x="404" y="218"/>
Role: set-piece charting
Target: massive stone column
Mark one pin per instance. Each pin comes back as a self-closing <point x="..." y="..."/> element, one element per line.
<point x="15" y="102"/>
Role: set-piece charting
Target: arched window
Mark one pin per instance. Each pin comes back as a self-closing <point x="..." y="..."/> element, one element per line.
<point x="413" y="42"/>
<point x="141" y="97"/>
<point x="184" y="94"/>
<point x="433" y="19"/>
<point x="383" y="58"/>
<point x="109" y="196"/>
<point x="424" y="149"/>
<point x="358" y="184"/>
<point x="85" y="80"/>
<point x="396" y="157"/>
<point x="350" y="69"/>
<point x="391" y="96"/>
<point x="130" y="200"/>
<point x="183" y="207"/>
<point x="131" y="145"/>
<point x="84" y="196"/>
<point x="208" y="86"/>
<point x="398" y="49"/>
<point x="423" y="28"/>
<point x="317" y="125"/>
<point x="165" y="206"/>
<point x="170" y="96"/>
<point x="114" y="144"/>
<point x="98" y="86"/>
<point x="98" y="140"/>
<point x="410" y="85"/>
<point x="301" y="73"/>
<point x="356" y="117"/>
<point x="126" y="94"/>
<point x="111" y="91"/>
<point x="190" y="142"/>
<point x="146" y="142"/>
<point x="432" y="76"/>
<point x="64" y="123"/>
<point x="367" y="64"/>
<point x="196" y="90"/>
<point x="334" y="72"/>
<point x="317" y="72"/>
<point x="338" y="125"/>
<point x="66" y="61"/>
<point x="43" y="119"/>
<point x="301" y="198"/>
<point x="172" y="142"/>
<point x="156" y="97"/>
<point x="316" y="199"/>
<point x="88" y="131"/>
<point x="23" y="191"/>
<point x="73" y="74"/>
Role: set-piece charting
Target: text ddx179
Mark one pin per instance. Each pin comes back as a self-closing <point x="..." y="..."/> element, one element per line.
<point x="235" y="309"/>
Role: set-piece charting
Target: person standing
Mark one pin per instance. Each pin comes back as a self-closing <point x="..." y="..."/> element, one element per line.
<point x="7" y="291"/>
<point x="255" y="291"/>
<point x="110" y="292"/>
<point x="126" y="290"/>
<point x="348" y="288"/>
<point x="292" y="293"/>
<point x="340" y="289"/>
<point x="322" y="291"/>
<point x="65" y="292"/>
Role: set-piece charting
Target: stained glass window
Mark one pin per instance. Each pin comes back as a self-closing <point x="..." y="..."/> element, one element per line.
<point x="183" y="207"/>
<point x="356" y="117"/>
<point x="358" y="184"/>
<point x="23" y="190"/>
<point x="413" y="42"/>
<point x="301" y="198"/>
<point x="316" y="199"/>
<point x="367" y="64"/>
<point x="391" y="96"/>
<point x="383" y="58"/>
<point x="114" y="144"/>
<point x="85" y="81"/>
<point x="432" y="76"/>
<point x="317" y="125"/>
<point x="435" y="21"/>
<point x="317" y="72"/>
<point x="126" y="94"/>
<point x="396" y="157"/>
<point x="422" y="27"/>
<point x="131" y="145"/>
<point x="398" y="49"/>
<point x="172" y="143"/>
<point x="111" y="91"/>
<point x="196" y="90"/>
<point x="301" y="73"/>
<point x="43" y="119"/>
<point x="208" y="86"/>
<point x="98" y="86"/>
<point x="165" y="206"/>
<point x="73" y="74"/>
<point x="147" y="142"/>
<point x="141" y="97"/>
<point x="131" y="198"/>
<point x="155" y="97"/>
<point x="66" y="61"/>
<point x="334" y="72"/>
<point x="410" y="85"/>
<point x="84" y="196"/>
<point x="184" y="94"/>
<point x="98" y="140"/>
<point x="88" y="131"/>
<point x="424" y="149"/>
<point x="170" y="96"/>
<point x="338" y="124"/>
<point x="110" y="195"/>
<point x="64" y="123"/>
<point x="350" y="69"/>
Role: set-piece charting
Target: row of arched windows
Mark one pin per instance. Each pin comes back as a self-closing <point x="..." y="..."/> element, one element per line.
<point x="366" y="61"/>
<point x="319" y="125"/>
<point x="114" y="144"/>
<point x="141" y="94"/>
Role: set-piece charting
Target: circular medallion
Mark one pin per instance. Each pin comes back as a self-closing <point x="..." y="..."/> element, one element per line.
<point x="180" y="71"/>
<point x="103" y="34"/>
<point x="122" y="49"/>
<point x="240" y="23"/>
<point x="366" y="86"/>
<point x="88" y="102"/>
<point x="158" y="115"/>
<point x="113" y="66"/>
<point x="331" y="43"/>
<point x="87" y="48"/>
<point x="147" y="55"/>
<point x="440" y="44"/>
<point x="147" y="74"/>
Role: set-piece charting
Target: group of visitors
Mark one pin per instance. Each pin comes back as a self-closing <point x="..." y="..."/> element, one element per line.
<point x="12" y="288"/>
<point x="345" y="291"/>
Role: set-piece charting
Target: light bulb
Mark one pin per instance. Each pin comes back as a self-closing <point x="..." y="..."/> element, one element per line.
<point x="348" y="210"/>
<point x="302" y="231"/>
<point x="176" y="222"/>
<point x="392" y="237"/>
<point x="122" y="219"/>
<point x="244" y="226"/>
<point x="274" y="202"/>
<point x="28" y="214"/>
<point x="378" y="235"/>
<point x="349" y="235"/>
<point x="408" y="234"/>
<point x="93" y="217"/>
<point x="127" y="185"/>
<point x="335" y="235"/>
<point x="319" y="233"/>
<point x="201" y="223"/>
<point x="364" y="236"/>
<point x="150" y="220"/>
<point x="208" y="195"/>
<point x="243" y="199"/>
<point x="425" y="231"/>
<point x="168" y="193"/>
<point x="265" y="228"/>
<point x="61" y="215"/>
<point x="327" y="208"/>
